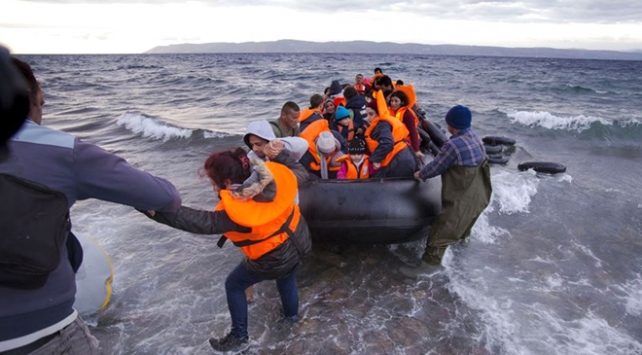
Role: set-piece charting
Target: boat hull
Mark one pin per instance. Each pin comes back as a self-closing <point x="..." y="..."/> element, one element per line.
<point x="374" y="211"/>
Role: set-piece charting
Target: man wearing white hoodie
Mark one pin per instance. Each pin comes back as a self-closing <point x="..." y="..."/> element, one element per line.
<point x="266" y="146"/>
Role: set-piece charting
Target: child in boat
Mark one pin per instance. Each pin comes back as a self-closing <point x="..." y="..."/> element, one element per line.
<point x="357" y="165"/>
<point x="342" y="123"/>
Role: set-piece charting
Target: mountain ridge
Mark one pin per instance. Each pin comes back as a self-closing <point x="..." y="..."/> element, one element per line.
<point x="369" y="47"/>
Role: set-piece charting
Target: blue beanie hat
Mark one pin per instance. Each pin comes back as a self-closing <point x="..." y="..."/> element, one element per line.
<point x="341" y="113"/>
<point x="459" y="117"/>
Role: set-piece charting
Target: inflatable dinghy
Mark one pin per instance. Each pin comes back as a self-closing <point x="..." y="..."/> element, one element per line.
<point x="374" y="211"/>
<point x="93" y="279"/>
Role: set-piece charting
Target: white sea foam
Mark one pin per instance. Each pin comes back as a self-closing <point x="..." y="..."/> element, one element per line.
<point x="631" y="293"/>
<point x="210" y="134"/>
<point x="151" y="127"/>
<point x="547" y="120"/>
<point x="520" y="327"/>
<point x="513" y="192"/>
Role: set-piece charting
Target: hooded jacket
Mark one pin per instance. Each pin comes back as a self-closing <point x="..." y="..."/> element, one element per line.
<point x="262" y="129"/>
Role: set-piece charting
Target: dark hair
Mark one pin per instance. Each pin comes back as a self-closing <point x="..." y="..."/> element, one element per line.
<point x="290" y="105"/>
<point x="316" y="100"/>
<point x="14" y="99"/>
<point x="30" y="78"/>
<point x="232" y="165"/>
<point x="402" y="97"/>
<point x="384" y="80"/>
<point x="350" y="92"/>
<point x="399" y="82"/>
<point x="378" y="70"/>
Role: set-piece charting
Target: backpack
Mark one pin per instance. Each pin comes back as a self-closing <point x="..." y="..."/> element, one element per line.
<point x="34" y="223"/>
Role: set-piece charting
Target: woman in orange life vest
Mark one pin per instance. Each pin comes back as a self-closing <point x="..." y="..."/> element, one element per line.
<point x="401" y="109"/>
<point x="386" y="140"/>
<point x="358" y="165"/>
<point x="258" y="214"/>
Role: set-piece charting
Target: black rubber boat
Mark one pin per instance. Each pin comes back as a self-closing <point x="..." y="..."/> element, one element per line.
<point x="374" y="211"/>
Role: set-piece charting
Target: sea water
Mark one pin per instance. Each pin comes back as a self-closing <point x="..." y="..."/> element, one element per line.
<point x="553" y="266"/>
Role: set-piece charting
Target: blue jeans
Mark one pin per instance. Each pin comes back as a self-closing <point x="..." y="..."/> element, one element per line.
<point x="236" y="283"/>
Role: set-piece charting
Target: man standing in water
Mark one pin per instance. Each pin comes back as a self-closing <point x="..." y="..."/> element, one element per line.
<point x="45" y="173"/>
<point x="465" y="192"/>
<point x="287" y="125"/>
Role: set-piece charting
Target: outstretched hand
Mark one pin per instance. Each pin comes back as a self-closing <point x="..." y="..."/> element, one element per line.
<point x="273" y="148"/>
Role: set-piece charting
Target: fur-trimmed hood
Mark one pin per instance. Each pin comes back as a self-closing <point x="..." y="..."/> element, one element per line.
<point x="259" y="186"/>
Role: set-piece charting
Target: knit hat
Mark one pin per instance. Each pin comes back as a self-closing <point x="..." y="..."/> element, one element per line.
<point x="459" y="117"/>
<point x="326" y="143"/>
<point x="357" y="146"/>
<point x="341" y="113"/>
<point x="373" y="105"/>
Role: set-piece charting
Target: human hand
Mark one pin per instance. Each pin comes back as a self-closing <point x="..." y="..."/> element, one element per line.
<point x="417" y="175"/>
<point x="150" y="213"/>
<point x="376" y="165"/>
<point x="419" y="154"/>
<point x="334" y="161"/>
<point x="273" y="148"/>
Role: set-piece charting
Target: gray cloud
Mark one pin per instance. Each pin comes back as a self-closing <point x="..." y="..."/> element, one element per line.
<point x="552" y="11"/>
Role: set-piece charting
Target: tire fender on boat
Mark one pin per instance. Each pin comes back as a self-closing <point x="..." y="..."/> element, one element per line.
<point x="497" y="159"/>
<point x="497" y="140"/>
<point x="493" y="149"/>
<point x="543" y="167"/>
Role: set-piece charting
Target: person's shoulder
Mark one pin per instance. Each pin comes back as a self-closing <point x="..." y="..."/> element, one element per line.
<point x="37" y="134"/>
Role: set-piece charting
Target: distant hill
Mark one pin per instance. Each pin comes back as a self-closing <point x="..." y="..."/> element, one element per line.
<point x="364" y="47"/>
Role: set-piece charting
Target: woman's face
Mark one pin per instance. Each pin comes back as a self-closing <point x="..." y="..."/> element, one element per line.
<point x="329" y="107"/>
<point x="370" y="114"/>
<point x="395" y="103"/>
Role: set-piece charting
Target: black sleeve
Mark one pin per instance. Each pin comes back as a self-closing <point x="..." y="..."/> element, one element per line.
<point x="199" y="221"/>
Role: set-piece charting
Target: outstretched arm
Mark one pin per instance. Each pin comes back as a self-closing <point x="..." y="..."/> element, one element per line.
<point x="197" y="221"/>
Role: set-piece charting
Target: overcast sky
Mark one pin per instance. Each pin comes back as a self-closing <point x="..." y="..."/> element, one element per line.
<point x="134" y="26"/>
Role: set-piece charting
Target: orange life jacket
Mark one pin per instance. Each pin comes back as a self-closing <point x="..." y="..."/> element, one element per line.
<point x="361" y="88"/>
<point x="362" y="173"/>
<point x="339" y="101"/>
<point x="308" y="112"/>
<point x="399" y="130"/>
<point x="268" y="220"/>
<point x="402" y="111"/>
<point x="350" y="129"/>
<point x="310" y="134"/>
<point x="409" y="90"/>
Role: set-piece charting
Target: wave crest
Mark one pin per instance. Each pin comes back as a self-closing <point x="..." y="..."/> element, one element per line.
<point x="547" y="120"/>
<point x="152" y="128"/>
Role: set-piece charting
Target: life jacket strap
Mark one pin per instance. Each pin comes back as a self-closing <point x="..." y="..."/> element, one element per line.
<point x="244" y="243"/>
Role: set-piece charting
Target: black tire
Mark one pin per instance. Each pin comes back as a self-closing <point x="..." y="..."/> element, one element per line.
<point x="497" y="140"/>
<point x="543" y="167"/>
<point x="497" y="159"/>
<point x="493" y="149"/>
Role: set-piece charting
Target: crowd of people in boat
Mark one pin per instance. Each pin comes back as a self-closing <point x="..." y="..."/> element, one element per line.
<point x="369" y="128"/>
